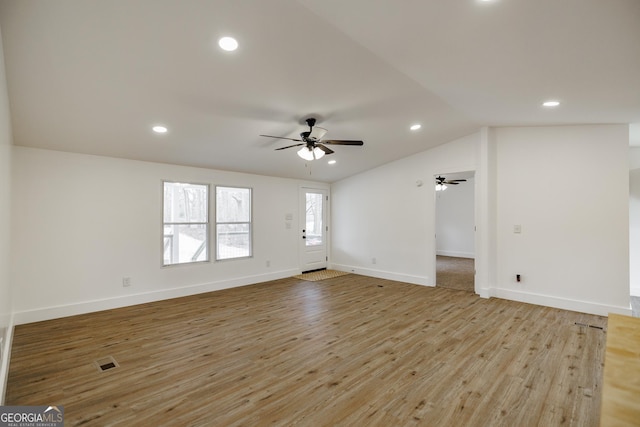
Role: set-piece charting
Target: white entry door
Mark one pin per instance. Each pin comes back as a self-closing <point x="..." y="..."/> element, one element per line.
<point x="313" y="233"/>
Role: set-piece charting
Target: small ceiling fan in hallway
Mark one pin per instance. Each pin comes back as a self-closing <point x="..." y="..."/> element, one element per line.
<point x="441" y="182"/>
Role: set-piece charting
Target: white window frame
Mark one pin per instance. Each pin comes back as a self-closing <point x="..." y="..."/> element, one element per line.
<point x="206" y="225"/>
<point x="250" y="223"/>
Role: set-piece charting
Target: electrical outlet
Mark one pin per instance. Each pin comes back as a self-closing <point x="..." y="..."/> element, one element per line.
<point x="126" y="282"/>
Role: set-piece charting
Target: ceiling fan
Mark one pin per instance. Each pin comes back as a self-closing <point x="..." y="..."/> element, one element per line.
<point x="313" y="146"/>
<point x="442" y="181"/>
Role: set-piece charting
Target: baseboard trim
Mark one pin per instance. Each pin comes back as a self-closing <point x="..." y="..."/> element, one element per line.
<point x="557" y="302"/>
<point x="484" y="293"/>
<point x="456" y="254"/>
<point x="399" y="277"/>
<point x="7" y="342"/>
<point x="54" y="312"/>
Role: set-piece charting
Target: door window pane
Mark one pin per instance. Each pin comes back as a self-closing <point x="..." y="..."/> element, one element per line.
<point x="314" y="227"/>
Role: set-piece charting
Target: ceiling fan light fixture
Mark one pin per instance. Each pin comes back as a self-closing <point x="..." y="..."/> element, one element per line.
<point x="228" y="43"/>
<point x="441" y="187"/>
<point x="306" y="153"/>
<point x="318" y="153"/>
<point x="317" y="133"/>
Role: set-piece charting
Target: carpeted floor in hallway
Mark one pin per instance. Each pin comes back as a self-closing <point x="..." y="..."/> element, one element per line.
<point x="455" y="273"/>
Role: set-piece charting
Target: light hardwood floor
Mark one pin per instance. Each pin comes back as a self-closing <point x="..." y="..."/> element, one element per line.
<point x="350" y="351"/>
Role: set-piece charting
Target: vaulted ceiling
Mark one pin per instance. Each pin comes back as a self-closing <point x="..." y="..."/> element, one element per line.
<point x="94" y="76"/>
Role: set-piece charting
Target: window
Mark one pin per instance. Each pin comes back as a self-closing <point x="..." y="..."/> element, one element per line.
<point x="233" y="222"/>
<point x="185" y="223"/>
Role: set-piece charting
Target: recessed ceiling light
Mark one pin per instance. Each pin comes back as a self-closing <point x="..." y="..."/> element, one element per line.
<point x="228" y="43"/>
<point x="159" y="129"/>
<point x="551" y="103"/>
<point x="332" y="162"/>
<point x="416" y="126"/>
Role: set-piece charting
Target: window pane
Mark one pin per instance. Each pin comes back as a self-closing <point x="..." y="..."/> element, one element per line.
<point x="234" y="240"/>
<point x="185" y="243"/>
<point x="233" y="204"/>
<point x="314" y="225"/>
<point x="185" y="202"/>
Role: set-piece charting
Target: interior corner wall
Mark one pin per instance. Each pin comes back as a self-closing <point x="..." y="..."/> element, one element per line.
<point x="567" y="187"/>
<point x="83" y="223"/>
<point x="455" y="220"/>
<point x="5" y="228"/>
<point x="384" y="220"/>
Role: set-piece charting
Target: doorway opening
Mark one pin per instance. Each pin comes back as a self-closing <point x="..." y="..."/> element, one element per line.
<point x="455" y="231"/>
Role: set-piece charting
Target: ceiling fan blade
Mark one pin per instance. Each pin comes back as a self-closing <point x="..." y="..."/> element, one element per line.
<point x="326" y="150"/>
<point x="457" y="180"/>
<point x="342" y="142"/>
<point x="282" y="137"/>
<point x="451" y="183"/>
<point x="290" y="146"/>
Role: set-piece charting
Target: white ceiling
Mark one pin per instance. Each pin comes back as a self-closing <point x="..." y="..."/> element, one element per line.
<point x="94" y="76"/>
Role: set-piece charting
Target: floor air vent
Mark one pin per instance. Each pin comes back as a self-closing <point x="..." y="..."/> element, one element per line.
<point x="106" y="363"/>
<point x="589" y="326"/>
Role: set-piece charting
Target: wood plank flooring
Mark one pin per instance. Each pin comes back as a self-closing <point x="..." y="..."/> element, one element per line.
<point x="349" y="351"/>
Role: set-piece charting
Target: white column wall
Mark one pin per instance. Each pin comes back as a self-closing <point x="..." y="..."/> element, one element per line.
<point x="568" y="188"/>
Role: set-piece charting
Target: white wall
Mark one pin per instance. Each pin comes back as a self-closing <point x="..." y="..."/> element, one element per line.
<point x="82" y="223"/>
<point x="6" y="321"/>
<point x="383" y="214"/>
<point x="568" y="188"/>
<point x="455" y="220"/>
<point x="6" y="326"/>
<point x="634" y="221"/>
